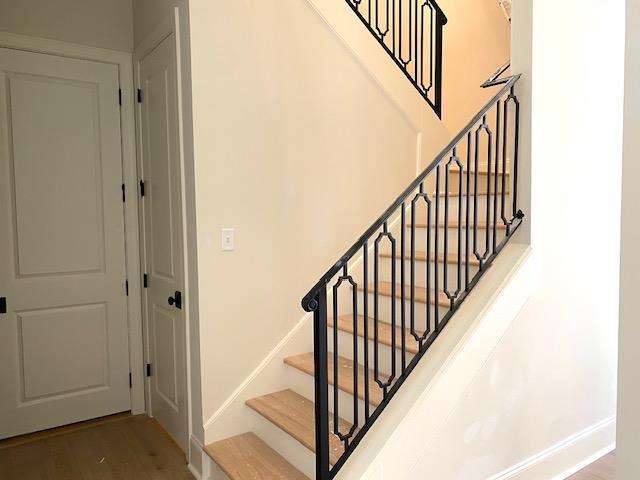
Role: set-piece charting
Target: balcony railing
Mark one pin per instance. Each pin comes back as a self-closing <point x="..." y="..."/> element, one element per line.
<point x="411" y="31"/>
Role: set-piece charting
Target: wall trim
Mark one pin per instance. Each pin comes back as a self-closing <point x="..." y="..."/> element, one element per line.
<point x="123" y="60"/>
<point x="567" y="456"/>
<point x="170" y="25"/>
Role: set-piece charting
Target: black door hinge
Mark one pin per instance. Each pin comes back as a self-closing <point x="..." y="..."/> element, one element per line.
<point x="120" y="96"/>
<point x="130" y="381"/>
<point x="148" y="369"/>
<point x="145" y="280"/>
<point x="124" y="195"/>
<point x="126" y="287"/>
<point x="3" y="305"/>
<point x="139" y="96"/>
<point x="142" y="188"/>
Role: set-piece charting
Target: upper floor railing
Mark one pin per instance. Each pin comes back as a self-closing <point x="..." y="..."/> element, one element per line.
<point x="405" y="277"/>
<point x="411" y="31"/>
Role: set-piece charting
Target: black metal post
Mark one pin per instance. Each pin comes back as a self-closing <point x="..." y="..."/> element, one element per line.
<point x="321" y="358"/>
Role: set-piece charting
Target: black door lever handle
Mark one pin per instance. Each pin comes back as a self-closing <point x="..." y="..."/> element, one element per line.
<point x="176" y="300"/>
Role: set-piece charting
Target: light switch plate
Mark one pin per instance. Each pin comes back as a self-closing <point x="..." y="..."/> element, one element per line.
<point x="228" y="239"/>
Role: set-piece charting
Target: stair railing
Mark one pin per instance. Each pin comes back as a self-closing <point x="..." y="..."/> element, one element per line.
<point x="444" y="230"/>
<point x="411" y="32"/>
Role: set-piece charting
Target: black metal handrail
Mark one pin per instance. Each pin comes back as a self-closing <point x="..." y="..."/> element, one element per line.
<point x="463" y="209"/>
<point x="495" y="80"/>
<point x="411" y="32"/>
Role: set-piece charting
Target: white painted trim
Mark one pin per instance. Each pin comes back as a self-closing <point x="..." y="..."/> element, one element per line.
<point x="168" y="26"/>
<point x="123" y="60"/>
<point x="185" y="233"/>
<point x="567" y="456"/>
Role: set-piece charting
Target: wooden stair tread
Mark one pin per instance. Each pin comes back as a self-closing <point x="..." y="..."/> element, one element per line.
<point x="454" y="224"/>
<point x="345" y="324"/>
<point x="246" y="457"/>
<point x="385" y="289"/>
<point x="295" y="415"/>
<point x="421" y="256"/>
<point x="304" y="363"/>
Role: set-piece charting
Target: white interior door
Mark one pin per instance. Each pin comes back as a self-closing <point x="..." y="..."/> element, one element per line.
<point x="64" y="354"/>
<point x="163" y="250"/>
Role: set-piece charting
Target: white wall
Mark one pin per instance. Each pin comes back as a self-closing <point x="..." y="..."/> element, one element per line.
<point x="554" y="373"/>
<point x="299" y="149"/>
<point x="629" y="358"/>
<point x="544" y="401"/>
<point x="95" y="23"/>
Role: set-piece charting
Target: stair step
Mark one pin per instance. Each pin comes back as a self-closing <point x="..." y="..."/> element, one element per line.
<point x="454" y="224"/>
<point x="345" y="324"/>
<point x="385" y="289"/>
<point x="421" y="256"/>
<point x="246" y="457"/>
<point x="304" y="363"/>
<point x="296" y="415"/>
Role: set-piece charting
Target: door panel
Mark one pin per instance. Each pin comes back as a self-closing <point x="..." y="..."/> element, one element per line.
<point x="64" y="354"/>
<point x="163" y="249"/>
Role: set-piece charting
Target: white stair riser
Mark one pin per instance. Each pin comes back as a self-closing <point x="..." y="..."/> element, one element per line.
<point x="451" y="239"/>
<point x="303" y="384"/>
<point x="345" y="349"/>
<point x="296" y="453"/>
<point x="454" y="182"/>
<point x="454" y="207"/>
<point x="384" y="309"/>
<point x="420" y="272"/>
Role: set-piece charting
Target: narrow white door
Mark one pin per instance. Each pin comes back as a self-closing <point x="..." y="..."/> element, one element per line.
<point x="64" y="354"/>
<point x="163" y="257"/>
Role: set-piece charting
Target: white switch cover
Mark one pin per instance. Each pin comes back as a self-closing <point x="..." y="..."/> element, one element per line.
<point x="228" y="239"/>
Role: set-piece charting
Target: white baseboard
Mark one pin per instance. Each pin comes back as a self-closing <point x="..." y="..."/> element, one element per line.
<point x="196" y="458"/>
<point x="567" y="457"/>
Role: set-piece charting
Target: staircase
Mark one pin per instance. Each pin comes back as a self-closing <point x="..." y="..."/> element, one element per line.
<point x="386" y="300"/>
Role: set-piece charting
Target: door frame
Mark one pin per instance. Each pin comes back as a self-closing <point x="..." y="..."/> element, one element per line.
<point x="169" y="25"/>
<point x="123" y="61"/>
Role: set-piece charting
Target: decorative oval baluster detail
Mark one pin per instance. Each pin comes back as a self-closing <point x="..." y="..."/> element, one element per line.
<point x="385" y="234"/>
<point x="345" y="437"/>
<point x="455" y="161"/>
<point x="484" y="127"/>
<point x="421" y="195"/>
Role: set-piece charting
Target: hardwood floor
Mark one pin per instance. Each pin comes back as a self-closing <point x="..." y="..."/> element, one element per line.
<point x="122" y="448"/>
<point x="603" y="469"/>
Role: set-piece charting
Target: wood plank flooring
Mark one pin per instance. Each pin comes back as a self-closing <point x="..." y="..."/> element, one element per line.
<point x="603" y="469"/>
<point x="124" y="448"/>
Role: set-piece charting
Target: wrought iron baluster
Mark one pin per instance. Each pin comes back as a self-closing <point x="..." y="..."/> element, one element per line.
<point x="505" y="137"/>
<point x="403" y="321"/>
<point x="516" y="152"/>
<point x="496" y="174"/>
<point x="321" y="378"/>
<point x="468" y="218"/>
<point x="345" y="437"/>
<point x="436" y="303"/>
<point x="365" y="313"/>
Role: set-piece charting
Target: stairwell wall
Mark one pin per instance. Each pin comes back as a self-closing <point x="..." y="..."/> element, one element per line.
<point x="477" y="41"/>
<point x="299" y="147"/>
